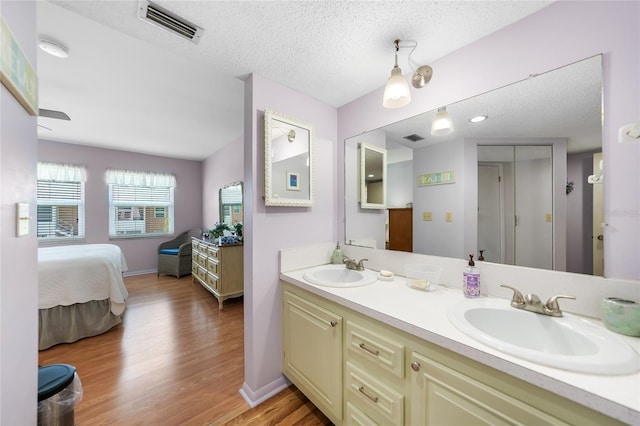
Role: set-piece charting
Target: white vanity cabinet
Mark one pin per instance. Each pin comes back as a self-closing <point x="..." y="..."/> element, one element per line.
<point x="312" y="352"/>
<point x="390" y="377"/>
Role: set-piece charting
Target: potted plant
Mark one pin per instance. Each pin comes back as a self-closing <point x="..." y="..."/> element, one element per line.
<point x="238" y="228"/>
<point x="218" y="230"/>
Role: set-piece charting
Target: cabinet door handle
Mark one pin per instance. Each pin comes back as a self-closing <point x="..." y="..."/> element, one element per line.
<point x="371" y="351"/>
<point x="415" y="366"/>
<point x="364" y="392"/>
<point x="333" y="323"/>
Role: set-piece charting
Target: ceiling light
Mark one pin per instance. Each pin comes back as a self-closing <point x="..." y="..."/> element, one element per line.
<point x="396" y="91"/>
<point x="442" y="124"/>
<point x="54" y="49"/>
<point x="478" y="118"/>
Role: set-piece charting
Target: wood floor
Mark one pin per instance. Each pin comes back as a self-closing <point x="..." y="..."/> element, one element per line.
<point x="175" y="360"/>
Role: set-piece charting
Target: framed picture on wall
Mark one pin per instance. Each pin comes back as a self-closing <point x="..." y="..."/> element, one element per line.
<point x="293" y="181"/>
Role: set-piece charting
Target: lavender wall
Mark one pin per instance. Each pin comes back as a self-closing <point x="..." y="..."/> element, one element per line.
<point x="220" y="169"/>
<point x="141" y="253"/>
<point x="18" y="255"/>
<point x="269" y="229"/>
<point x="562" y="33"/>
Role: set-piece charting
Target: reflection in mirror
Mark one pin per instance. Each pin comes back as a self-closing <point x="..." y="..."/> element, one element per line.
<point x="373" y="177"/>
<point x="438" y="179"/>
<point x="231" y="209"/>
<point x="288" y="167"/>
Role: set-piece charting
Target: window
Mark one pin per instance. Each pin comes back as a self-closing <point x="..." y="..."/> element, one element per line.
<point x="60" y="199"/>
<point x="140" y="203"/>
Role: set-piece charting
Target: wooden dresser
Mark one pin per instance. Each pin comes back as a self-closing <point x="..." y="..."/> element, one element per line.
<point x="401" y="229"/>
<point x="220" y="269"/>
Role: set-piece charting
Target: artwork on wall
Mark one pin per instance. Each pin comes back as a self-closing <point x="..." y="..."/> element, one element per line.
<point x="293" y="181"/>
<point x="16" y="73"/>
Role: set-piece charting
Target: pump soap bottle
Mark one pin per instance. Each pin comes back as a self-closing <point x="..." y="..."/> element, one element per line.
<point x="337" y="256"/>
<point x="471" y="280"/>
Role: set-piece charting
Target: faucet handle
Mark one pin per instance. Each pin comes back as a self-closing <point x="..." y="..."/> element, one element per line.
<point x="361" y="265"/>
<point x="517" y="301"/>
<point x="552" y="304"/>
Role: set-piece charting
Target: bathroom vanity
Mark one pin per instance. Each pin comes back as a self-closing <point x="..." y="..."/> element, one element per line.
<point x="386" y="354"/>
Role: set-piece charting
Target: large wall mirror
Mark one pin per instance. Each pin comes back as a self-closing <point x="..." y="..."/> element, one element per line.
<point x="288" y="161"/>
<point x="231" y="208"/>
<point x="517" y="182"/>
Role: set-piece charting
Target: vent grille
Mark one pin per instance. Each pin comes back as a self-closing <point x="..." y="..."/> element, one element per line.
<point x="160" y="17"/>
<point x="414" y="138"/>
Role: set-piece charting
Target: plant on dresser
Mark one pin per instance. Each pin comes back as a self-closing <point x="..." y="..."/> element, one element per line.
<point x="218" y="269"/>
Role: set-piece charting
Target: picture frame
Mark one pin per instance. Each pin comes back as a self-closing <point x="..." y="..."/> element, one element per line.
<point x="16" y="72"/>
<point x="293" y="181"/>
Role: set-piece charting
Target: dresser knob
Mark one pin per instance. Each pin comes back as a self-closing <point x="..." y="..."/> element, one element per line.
<point x="415" y="366"/>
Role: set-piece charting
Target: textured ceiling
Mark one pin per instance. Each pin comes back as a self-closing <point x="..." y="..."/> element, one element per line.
<point x="129" y="85"/>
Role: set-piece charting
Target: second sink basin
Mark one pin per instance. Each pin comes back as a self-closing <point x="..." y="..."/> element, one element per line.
<point x="339" y="276"/>
<point x="569" y="342"/>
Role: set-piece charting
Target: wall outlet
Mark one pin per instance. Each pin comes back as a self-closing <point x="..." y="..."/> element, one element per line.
<point x="448" y="217"/>
<point x="427" y="216"/>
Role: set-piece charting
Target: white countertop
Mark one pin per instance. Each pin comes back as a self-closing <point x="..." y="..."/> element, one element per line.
<point x="424" y="315"/>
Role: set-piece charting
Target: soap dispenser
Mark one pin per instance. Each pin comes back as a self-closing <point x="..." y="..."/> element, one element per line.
<point x="471" y="280"/>
<point x="337" y="256"/>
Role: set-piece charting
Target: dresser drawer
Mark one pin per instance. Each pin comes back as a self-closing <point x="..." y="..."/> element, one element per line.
<point x="213" y="251"/>
<point x="372" y="347"/>
<point x="213" y="265"/>
<point x="195" y="246"/>
<point x="201" y="273"/>
<point x="373" y="397"/>
<point x="194" y="267"/>
<point x="212" y="281"/>
<point x="200" y="258"/>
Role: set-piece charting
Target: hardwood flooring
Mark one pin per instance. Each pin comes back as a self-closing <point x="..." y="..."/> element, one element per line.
<point x="175" y="360"/>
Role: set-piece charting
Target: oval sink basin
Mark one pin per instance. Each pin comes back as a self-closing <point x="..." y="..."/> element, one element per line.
<point x="339" y="276"/>
<point x="568" y="342"/>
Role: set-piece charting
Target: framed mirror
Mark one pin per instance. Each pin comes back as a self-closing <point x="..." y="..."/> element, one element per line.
<point x="373" y="176"/>
<point x="231" y="207"/>
<point x="288" y="161"/>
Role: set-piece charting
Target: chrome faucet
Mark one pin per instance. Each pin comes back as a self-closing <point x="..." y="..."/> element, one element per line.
<point x="532" y="303"/>
<point x="352" y="264"/>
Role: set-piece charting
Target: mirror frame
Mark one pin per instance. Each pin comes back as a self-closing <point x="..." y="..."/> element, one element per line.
<point x="269" y="200"/>
<point x="220" y="199"/>
<point x="362" y="190"/>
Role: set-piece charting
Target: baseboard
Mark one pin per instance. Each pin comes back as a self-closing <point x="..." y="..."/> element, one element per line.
<point x="132" y="273"/>
<point x="254" y="398"/>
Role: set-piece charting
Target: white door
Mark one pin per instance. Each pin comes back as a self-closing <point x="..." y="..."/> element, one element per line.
<point x="490" y="212"/>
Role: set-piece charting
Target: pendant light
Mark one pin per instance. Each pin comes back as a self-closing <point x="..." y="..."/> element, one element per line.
<point x="442" y="124"/>
<point x="396" y="92"/>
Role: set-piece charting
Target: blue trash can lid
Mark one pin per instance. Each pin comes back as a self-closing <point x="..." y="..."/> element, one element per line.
<point x="54" y="378"/>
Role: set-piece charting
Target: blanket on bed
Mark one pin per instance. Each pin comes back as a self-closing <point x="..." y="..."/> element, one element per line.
<point x="80" y="273"/>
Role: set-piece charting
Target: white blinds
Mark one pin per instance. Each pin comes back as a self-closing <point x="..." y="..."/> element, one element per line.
<point x="60" y="199"/>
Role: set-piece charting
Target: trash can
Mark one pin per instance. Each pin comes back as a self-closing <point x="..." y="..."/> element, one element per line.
<point x="59" y="391"/>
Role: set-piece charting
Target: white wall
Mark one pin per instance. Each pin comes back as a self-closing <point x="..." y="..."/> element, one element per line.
<point x="562" y="33"/>
<point x="18" y="255"/>
<point x="400" y="184"/>
<point x="268" y="229"/>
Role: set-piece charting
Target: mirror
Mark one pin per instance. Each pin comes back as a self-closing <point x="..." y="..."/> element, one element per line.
<point x="438" y="180"/>
<point x="373" y="177"/>
<point x="288" y="161"/>
<point x="231" y="208"/>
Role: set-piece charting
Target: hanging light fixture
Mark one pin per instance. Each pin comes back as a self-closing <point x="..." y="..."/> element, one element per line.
<point x="442" y="124"/>
<point x="396" y="91"/>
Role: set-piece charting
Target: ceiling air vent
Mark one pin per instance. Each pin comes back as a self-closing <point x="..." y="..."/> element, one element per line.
<point x="160" y="17"/>
<point x="414" y="138"/>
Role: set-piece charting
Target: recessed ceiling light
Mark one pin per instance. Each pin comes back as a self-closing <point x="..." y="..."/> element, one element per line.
<point x="54" y="49"/>
<point x="478" y="118"/>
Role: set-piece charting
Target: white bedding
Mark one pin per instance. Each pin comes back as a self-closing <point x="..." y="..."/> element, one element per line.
<point x="80" y="273"/>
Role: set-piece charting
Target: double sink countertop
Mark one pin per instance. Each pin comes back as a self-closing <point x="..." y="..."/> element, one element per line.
<point x="424" y="315"/>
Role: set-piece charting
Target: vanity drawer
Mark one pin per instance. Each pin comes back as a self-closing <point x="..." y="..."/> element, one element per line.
<point x="373" y="397"/>
<point x="370" y="345"/>
<point x="356" y="417"/>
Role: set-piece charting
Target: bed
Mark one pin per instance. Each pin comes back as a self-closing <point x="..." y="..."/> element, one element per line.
<point x="81" y="292"/>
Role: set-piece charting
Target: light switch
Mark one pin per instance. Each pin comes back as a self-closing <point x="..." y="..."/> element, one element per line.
<point x="548" y="217"/>
<point x="448" y="217"/>
<point x="427" y="216"/>
<point x="22" y="219"/>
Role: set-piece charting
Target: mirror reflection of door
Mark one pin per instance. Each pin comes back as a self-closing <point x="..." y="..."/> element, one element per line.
<point x="598" y="219"/>
<point x="516" y="229"/>
<point x="374" y="188"/>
